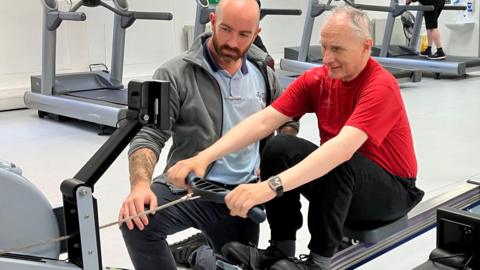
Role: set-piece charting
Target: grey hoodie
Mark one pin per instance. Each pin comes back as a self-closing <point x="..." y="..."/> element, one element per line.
<point x="196" y="109"/>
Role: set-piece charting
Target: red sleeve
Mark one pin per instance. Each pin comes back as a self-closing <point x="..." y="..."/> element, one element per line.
<point x="299" y="97"/>
<point x="378" y="109"/>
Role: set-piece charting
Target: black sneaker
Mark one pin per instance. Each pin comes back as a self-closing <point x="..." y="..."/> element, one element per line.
<point x="426" y="53"/>
<point x="305" y="262"/>
<point x="439" y="55"/>
<point x="182" y="250"/>
<point x="251" y="258"/>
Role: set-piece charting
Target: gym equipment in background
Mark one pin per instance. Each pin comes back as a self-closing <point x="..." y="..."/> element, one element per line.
<point x="300" y="59"/>
<point x="407" y="56"/>
<point x="97" y="96"/>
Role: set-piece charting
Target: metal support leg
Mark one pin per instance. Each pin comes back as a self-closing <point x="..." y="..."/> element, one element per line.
<point x="387" y="36"/>
<point x="307" y="31"/>
<point x="89" y="234"/>
<point x="416" y="31"/>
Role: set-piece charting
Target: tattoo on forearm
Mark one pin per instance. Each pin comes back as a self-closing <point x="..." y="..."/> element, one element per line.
<point x="141" y="165"/>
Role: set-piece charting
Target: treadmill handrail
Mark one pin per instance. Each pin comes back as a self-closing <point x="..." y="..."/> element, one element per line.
<point x="396" y="10"/>
<point x="399" y="10"/>
<point x="454" y="7"/>
<point x="132" y="15"/>
<point x="129" y="17"/>
<point x="368" y="7"/>
<point x="279" y="11"/>
<point x="139" y="14"/>
<point x="71" y="16"/>
<point x="55" y="18"/>
<point x="318" y="9"/>
<point x="142" y="15"/>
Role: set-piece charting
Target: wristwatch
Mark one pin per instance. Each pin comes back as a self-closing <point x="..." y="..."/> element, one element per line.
<point x="275" y="183"/>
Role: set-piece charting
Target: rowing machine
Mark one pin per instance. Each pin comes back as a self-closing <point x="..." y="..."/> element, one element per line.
<point x="147" y="106"/>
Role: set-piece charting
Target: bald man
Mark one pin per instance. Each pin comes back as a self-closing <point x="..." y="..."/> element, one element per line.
<point x="221" y="80"/>
<point x="363" y="173"/>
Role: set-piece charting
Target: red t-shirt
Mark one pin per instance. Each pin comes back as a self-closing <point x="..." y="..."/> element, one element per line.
<point x="371" y="102"/>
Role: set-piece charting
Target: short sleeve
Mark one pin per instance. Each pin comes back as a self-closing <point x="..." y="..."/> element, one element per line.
<point x="300" y="96"/>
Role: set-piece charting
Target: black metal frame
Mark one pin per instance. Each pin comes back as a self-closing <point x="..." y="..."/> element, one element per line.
<point x="148" y="105"/>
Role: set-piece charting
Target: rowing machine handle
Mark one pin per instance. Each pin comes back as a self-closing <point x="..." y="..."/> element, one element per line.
<point x="210" y="191"/>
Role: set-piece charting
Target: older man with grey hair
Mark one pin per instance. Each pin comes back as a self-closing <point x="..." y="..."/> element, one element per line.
<point x="362" y="174"/>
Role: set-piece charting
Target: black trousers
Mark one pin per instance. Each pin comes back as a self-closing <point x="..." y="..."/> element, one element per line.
<point x="431" y="17"/>
<point x="357" y="193"/>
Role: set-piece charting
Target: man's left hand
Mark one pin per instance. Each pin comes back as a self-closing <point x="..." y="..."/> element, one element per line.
<point x="241" y="199"/>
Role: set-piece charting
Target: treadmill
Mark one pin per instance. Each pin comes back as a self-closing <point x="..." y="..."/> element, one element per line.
<point x="407" y="56"/>
<point x="299" y="59"/>
<point x="97" y="96"/>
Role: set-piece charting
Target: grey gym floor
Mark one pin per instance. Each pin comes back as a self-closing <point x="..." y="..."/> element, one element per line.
<point x="444" y="115"/>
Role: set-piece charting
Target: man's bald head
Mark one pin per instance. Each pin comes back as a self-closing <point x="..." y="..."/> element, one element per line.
<point x="247" y="9"/>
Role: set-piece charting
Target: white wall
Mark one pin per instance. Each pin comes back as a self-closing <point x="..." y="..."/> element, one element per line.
<point x="19" y="46"/>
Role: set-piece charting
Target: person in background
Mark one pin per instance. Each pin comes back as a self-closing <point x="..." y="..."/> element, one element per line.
<point x="431" y="23"/>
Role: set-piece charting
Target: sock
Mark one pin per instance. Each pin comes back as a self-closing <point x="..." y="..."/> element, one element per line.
<point x="323" y="262"/>
<point x="286" y="246"/>
<point x="202" y="258"/>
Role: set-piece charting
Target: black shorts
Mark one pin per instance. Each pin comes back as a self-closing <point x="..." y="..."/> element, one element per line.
<point x="431" y="17"/>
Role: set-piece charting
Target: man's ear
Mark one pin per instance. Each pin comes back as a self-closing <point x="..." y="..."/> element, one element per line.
<point x="213" y="19"/>
<point x="368" y="44"/>
<point x="257" y="32"/>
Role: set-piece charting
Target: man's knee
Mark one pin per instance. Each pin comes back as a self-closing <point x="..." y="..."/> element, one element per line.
<point x="138" y="237"/>
<point x="276" y="146"/>
<point x="287" y="145"/>
<point x="282" y="152"/>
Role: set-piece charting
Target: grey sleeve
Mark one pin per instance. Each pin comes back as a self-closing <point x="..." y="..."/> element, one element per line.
<point x="274" y="84"/>
<point x="153" y="138"/>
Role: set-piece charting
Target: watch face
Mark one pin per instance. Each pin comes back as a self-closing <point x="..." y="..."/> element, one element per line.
<point x="276" y="185"/>
<point x="276" y="182"/>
